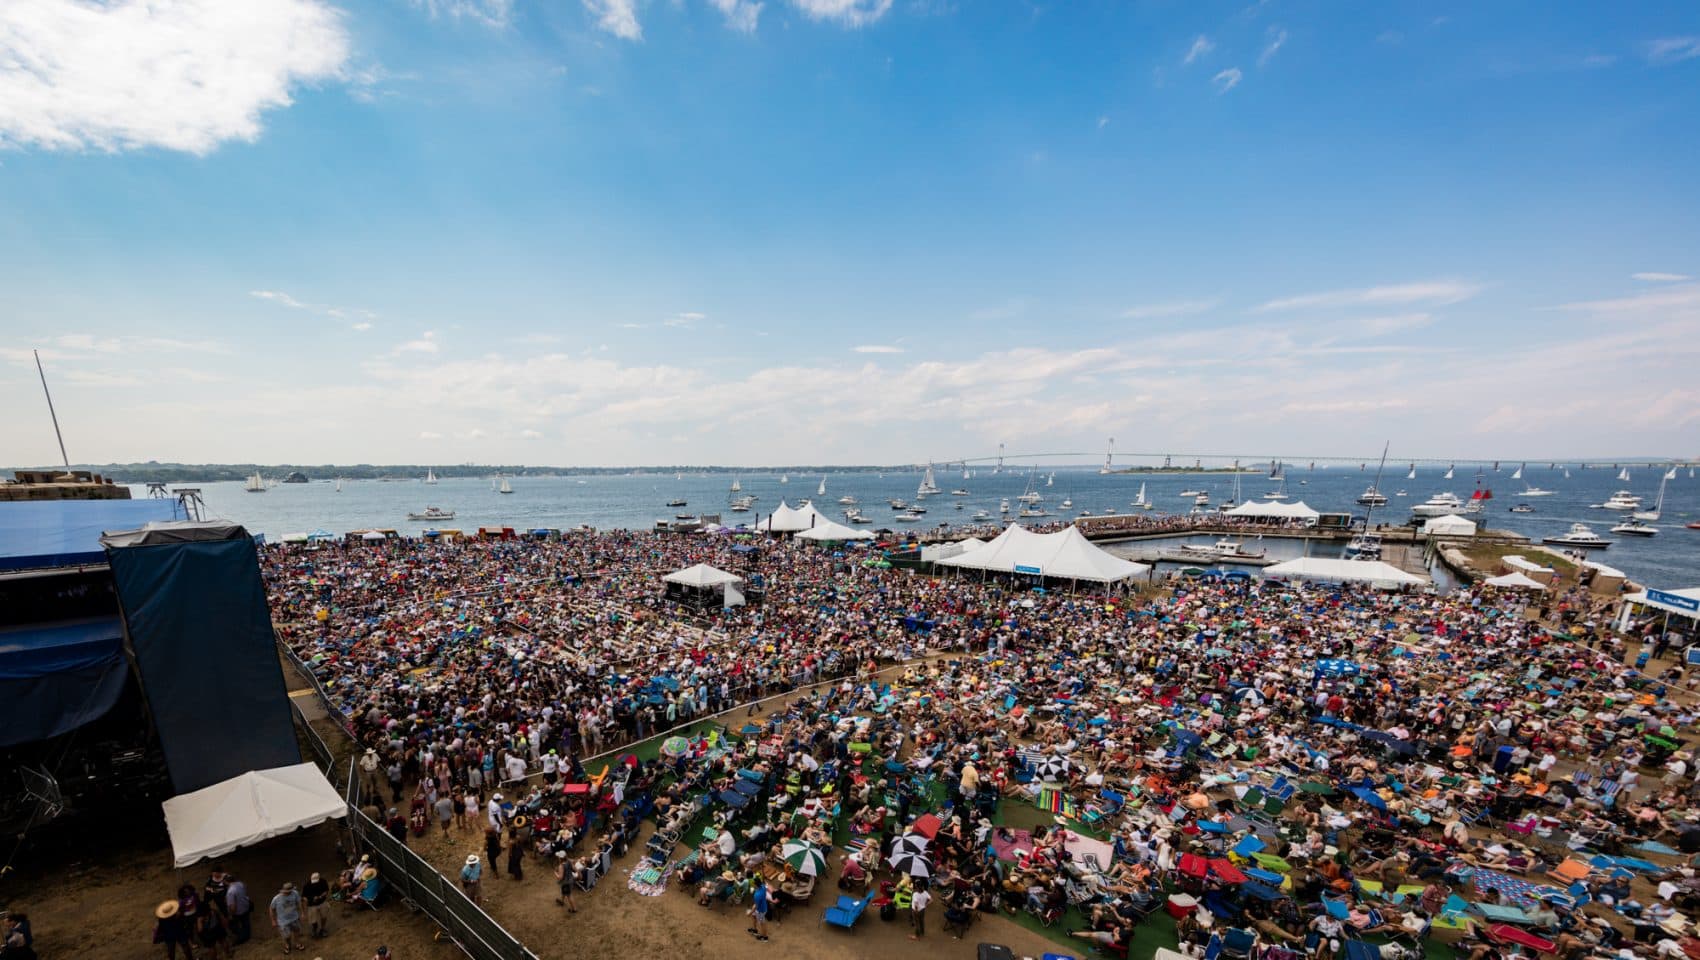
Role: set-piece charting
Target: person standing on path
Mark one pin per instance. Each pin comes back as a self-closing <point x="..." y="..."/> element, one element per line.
<point x="286" y="916"/>
<point x="241" y="910"/>
<point x="760" y="905"/>
<point x="918" y="910"/>
<point x="317" y="893"/>
<point x="472" y="877"/>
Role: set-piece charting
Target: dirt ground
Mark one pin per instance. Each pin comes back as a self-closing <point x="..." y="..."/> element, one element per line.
<point x="100" y="906"/>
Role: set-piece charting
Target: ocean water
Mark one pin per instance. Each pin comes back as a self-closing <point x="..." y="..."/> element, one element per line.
<point x="1670" y="559"/>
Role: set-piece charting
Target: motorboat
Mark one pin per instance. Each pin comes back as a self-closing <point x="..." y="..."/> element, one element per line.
<point x="907" y="517"/>
<point x="1189" y="493"/>
<point x="1400" y="493"/>
<point x="676" y="502"/>
<point x="1036" y="510"/>
<point x="1371" y="497"/>
<point x="917" y="508"/>
<point x="848" y="500"/>
<point x="1225" y="549"/>
<point x="898" y="504"/>
<point x="1579" y="536"/>
<point x="1635" y="528"/>
<point x="430" y="514"/>
<point x="1085" y="513"/>
<point x="1522" y="508"/>
<point x="1067" y="502"/>
<point x="1622" y="500"/>
<point x="1364" y="546"/>
<point x="959" y="492"/>
<point x="683" y="516"/>
<point x="1202" y="500"/>
<point x="980" y="515"/>
<point x="1693" y="525"/>
<point x="1003" y="506"/>
<point x="855" y="516"/>
<point x="1111" y="511"/>
<point x="742" y="504"/>
<point x="1439" y="505"/>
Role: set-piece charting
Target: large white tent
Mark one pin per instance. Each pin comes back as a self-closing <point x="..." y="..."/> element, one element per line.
<point x="933" y="553"/>
<point x="1515" y="581"/>
<point x="830" y="530"/>
<point x="1376" y="573"/>
<point x="1449" y="526"/>
<point x="1518" y="562"/>
<point x="788" y="519"/>
<point x="702" y="575"/>
<point x="248" y="808"/>
<point x="1063" y="555"/>
<point x="1275" y="510"/>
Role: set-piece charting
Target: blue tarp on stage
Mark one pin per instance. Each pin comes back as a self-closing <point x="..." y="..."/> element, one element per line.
<point x="63" y="533"/>
<point x="56" y="677"/>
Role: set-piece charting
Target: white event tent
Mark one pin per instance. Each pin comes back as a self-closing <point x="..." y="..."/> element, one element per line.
<point x="1515" y="581"/>
<point x="248" y="808"/>
<point x="1683" y="603"/>
<point x="702" y="575"/>
<point x="933" y="553"/>
<point x="1519" y="563"/>
<point x="1449" y="526"/>
<point x="831" y="530"/>
<point x="788" y="519"/>
<point x="1376" y="573"/>
<point x="1275" y="510"/>
<point x="1063" y="555"/>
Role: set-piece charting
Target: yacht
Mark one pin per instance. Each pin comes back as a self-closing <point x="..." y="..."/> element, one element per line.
<point x="847" y="500"/>
<point x="1635" y="528"/>
<point x="1202" y="500"/>
<point x="1439" y="505"/>
<point x="907" y="517"/>
<point x="1036" y="510"/>
<point x="1189" y="493"/>
<point x="432" y="514"/>
<point x="1658" y="505"/>
<point x="1003" y="506"/>
<point x="980" y="515"/>
<point x="897" y="504"/>
<point x="1622" y="500"/>
<point x="1371" y="497"/>
<point x="676" y="502"/>
<point x="1522" y="508"/>
<point x="1109" y="511"/>
<point x="1364" y="546"/>
<point x="959" y="492"/>
<point x="855" y="516"/>
<point x="1224" y="549"/>
<point x="741" y="504"/>
<point x="1400" y="493"/>
<point x="1067" y="502"/>
<point x="1579" y="536"/>
<point x="1529" y="491"/>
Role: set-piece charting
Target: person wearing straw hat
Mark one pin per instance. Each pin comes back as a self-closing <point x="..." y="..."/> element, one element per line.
<point x="472" y="877"/>
<point x="286" y="916"/>
<point x="170" y="930"/>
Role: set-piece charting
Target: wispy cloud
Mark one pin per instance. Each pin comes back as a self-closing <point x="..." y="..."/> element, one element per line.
<point x="426" y="343"/>
<point x="490" y="13"/>
<point x="1201" y="47"/>
<point x="1227" y="80"/>
<point x="1673" y="49"/>
<point x="846" y="13"/>
<point x="130" y="74"/>
<point x="1439" y="292"/>
<point x="740" y="15"/>
<point x="1653" y="277"/>
<point x="1171" y="308"/>
<point x="1382" y="326"/>
<point x="1685" y="295"/>
<point x="1277" y="39"/>
<point x="618" y="17"/>
<point x="1103" y="121"/>
<point x="360" y="316"/>
<point x="876" y="348"/>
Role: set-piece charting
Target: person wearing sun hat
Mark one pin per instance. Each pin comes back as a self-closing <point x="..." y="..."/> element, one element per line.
<point x="472" y="877"/>
<point x="286" y="916"/>
<point x="317" y="894"/>
<point x="171" y="930"/>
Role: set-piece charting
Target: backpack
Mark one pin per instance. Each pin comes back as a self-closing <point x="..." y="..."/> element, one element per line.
<point x="888" y="911"/>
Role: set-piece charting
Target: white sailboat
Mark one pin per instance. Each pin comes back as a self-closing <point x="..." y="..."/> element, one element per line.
<point x="784" y="479"/>
<point x="1413" y="474"/>
<point x="1670" y="474"/>
<point x="1109" y="458"/>
<point x="928" y="485"/>
<point x="256" y="483"/>
<point x="1050" y="479"/>
<point x="1140" y="500"/>
<point x="1519" y="474"/>
<point x="1623" y="474"/>
<point x="1567" y="473"/>
<point x="504" y="487"/>
<point x="1658" y="504"/>
<point x="820" y="491"/>
<point x="736" y="486"/>
<point x="430" y="477"/>
<point x="338" y="484"/>
<point x="1448" y="474"/>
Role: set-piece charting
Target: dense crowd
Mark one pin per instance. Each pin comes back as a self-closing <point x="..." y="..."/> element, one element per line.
<point x="1305" y="767"/>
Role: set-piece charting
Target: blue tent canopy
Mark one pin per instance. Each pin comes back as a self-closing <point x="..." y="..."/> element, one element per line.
<point x="1336" y="668"/>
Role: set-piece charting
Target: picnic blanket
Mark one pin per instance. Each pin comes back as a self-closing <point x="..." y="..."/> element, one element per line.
<point x="1056" y="802"/>
<point x="1514" y="891"/>
<point x="1014" y="846"/>
<point x="649" y="879"/>
<point x="1090" y="853"/>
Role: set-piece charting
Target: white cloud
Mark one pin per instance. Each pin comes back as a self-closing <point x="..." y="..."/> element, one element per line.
<point x="430" y="435"/>
<point x="324" y="310"/>
<point x="1227" y="80"/>
<point x="847" y="13"/>
<point x="1103" y="122"/>
<point x="1171" y="308"/>
<point x="491" y="13"/>
<point x="1438" y="292"/>
<point x="182" y="75"/>
<point x="618" y="17"/>
<point x="1382" y="326"/>
<point x="741" y="15"/>
<point x="1201" y="47"/>
<point x="1685" y="295"/>
<point x="876" y="348"/>
<point x="1277" y="39"/>
<point x="427" y="343"/>
<point x="1673" y="49"/>
<point x="686" y="320"/>
<point x="1660" y="277"/>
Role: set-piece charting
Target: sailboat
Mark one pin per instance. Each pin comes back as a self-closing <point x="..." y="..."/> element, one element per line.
<point x="1275" y="473"/>
<point x="1448" y="474"/>
<point x="1051" y="479"/>
<point x="820" y="491"/>
<point x="1413" y="474"/>
<point x="1658" y="504"/>
<point x="1518" y="475"/>
<point x="784" y="479"/>
<point x="1279" y="493"/>
<point x="430" y="477"/>
<point x="1140" y="500"/>
<point x="1109" y="458"/>
<point x="338" y="484"/>
<point x="256" y="483"/>
<point x="1670" y="474"/>
<point x="1623" y="474"/>
<point x="928" y="485"/>
<point x="736" y="486"/>
<point x="503" y="487"/>
<point x="1567" y="473"/>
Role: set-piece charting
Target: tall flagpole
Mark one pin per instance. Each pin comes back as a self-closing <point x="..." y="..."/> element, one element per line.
<point x="50" y="411"/>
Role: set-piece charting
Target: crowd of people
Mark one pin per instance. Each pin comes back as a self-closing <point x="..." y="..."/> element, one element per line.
<point x="1301" y="766"/>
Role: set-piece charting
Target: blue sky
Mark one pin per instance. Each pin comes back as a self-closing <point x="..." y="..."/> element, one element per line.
<point x="616" y="231"/>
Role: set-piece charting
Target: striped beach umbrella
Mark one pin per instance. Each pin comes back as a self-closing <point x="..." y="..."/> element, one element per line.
<point x="910" y="844"/>
<point x="913" y="865"/>
<point x="806" y="858"/>
<point x="1052" y="768"/>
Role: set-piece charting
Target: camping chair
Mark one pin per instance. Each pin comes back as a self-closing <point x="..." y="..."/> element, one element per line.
<point x="1570" y="871"/>
<point x="1252" y="799"/>
<point x="1282" y="788"/>
<point x="1237" y="943"/>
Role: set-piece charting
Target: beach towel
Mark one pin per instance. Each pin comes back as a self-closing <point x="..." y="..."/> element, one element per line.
<point x="1018" y="844"/>
<point x="1514" y="891"/>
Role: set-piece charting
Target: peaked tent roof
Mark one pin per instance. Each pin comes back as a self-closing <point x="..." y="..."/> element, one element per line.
<point x="788" y="519"/>
<point x="1517" y="561"/>
<point x="702" y="575"/>
<point x="833" y="531"/>
<point x="1065" y="555"/>
<point x="1689" y="593"/>
<point x="1515" y="581"/>
<point x="248" y="808"/>
<point x="1297" y="510"/>
<point x="1376" y="573"/>
<point x="1450" y="526"/>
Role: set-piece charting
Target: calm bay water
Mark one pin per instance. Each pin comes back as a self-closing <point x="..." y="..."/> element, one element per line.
<point x="1670" y="559"/>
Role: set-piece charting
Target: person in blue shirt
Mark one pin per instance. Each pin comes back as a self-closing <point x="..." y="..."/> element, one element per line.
<point x="760" y="905"/>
